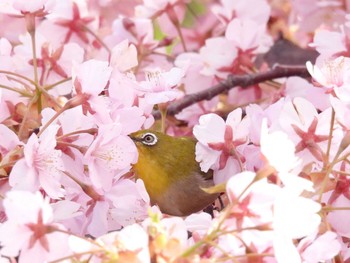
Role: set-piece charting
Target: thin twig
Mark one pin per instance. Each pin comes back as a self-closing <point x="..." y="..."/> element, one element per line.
<point x="243" y="81"/>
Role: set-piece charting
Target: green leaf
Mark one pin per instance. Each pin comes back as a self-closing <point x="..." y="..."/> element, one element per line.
<point x="194" y="9"/>
<point x="158" y="33"/>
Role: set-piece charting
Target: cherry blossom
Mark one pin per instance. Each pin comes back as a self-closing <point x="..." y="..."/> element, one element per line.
<point x="299" y="87"/>
<point x="250" y="32"/>
<point x="332" y="74"/>
<point x="110" y="155"/>
<point x="30" y="230"/>
<point x="218" y="61"/>
<point x="126" y="239"/>
<point x="193" y="82"/>
<point x="341" y="110"/>
<point x="315" y="15"/>
<point x="54" y="61"/>
<point x="129" y="208"/>
<point x="324" y="247"/>
<point x="152" y="8"/>
<point x="226" y="139"/>
<point x="90" y="78"/>
<point x="9" y="138"/>
<point x="283" y="161"/>
<point x="242" y="9"/>
<point x="30" y="7"/>
<point x="308" y="130"/>
<point x="160" y="87"/>
<point x="124" y="56"/>
<point x="41" y="166"/>
<point x="138" y="31"/>
<point x="288" y="226"/>
<point x="338" y="40"/>
<point x="70" y="19"/>
<point x="250" y="207"/>
<point x="23" y="7"/>
<point x="77" y="77"/>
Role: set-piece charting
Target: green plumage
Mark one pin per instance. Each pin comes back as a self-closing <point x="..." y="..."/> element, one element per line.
<point x="172" y="176"/>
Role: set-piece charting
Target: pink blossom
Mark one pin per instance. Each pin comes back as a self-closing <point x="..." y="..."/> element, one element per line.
<point x="337" y="218"/>
<point x="252" y="200"/>
<point x="131" y="119"/>
<point x="92" y="76"/>
<point x="30" y="230"/>
<point x="9" y="140"/>
<point x="257" y="114"/>
<point x="90" y="79"/>
<point x="329" y="43"/>
<point x="81" y="122"/>
<point x="218" y="141"/>
<point x="299" y="87"/>
<point x="279" y="151"/>
<point x="107" y="111"/>
<point x="133" y="239"/>
<point x="130" y="202"/>
<point x="198" y="223"/>
<point x="342" y="111"/>
<point x="296" y="220"/>
<point x="161" y="87"/>
<point x="227" y="244"/>
<point x="122" y="89"/>
<point x="301" y="214"/>
<point x="171" y="227"/>
<point x="333" y="75"/>
<point x="152" y="8"/>
<point x="228" y="10"/>
<point x="95" y="74"/>
<point x="29" y="6"/>
<point x="169" y="15"/>
<point x="67" y="23"/>
<point x="5" y="53"/>
<point x="246" y="34"/>
<point x="21" y="6"/>
<point x="41" y="166"/>
<point x="126" y="99"/>
<point x="109" y="156"/>
<point x="345" y="251"/>
<point x="321" y="248"/>
<point x="138" y="31"/>
<point x="313" y="15"/>
<point x="218" y="61"/>
<point x="54" y="61"/>
<point x="192" y="63"/>
<point x="223" y="175"/>
<point x="124" y="56"/>
<point x="308" y="130"/>
<point x="193" y="82"/>
<point x="94" y="211"/>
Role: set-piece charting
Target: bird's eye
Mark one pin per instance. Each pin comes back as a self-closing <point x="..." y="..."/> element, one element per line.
<point x="149" y="139"/>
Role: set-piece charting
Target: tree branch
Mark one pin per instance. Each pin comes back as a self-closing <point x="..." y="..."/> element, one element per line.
<point x="243" y="81"/>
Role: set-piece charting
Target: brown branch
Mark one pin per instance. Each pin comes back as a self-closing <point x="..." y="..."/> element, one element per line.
<point x="243" y="81"/>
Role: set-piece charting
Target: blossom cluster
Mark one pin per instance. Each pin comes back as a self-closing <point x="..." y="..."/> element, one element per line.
<point x="77" y="77"/>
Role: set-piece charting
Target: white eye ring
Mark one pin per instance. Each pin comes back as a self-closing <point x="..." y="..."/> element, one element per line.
<point x="149" y="139"/>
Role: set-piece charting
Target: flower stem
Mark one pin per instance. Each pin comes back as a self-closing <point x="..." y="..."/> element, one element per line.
<point x="98" y="39"/>
<point x="35" y="62"/>
<point x="57" y="83"/>
<point x="330" y="135"/>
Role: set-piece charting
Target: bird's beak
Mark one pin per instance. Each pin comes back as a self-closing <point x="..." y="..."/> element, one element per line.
<point x="135" y="139"/>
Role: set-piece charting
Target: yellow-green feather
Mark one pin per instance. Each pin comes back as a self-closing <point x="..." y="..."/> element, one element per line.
<point x="162" y="164"/>
<point x="172" y="176"/>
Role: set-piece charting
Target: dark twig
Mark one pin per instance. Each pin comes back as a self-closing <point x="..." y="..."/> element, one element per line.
<point x="243" y="81"/>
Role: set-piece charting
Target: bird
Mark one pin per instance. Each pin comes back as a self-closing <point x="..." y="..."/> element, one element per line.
<point x="171" y="174"/>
